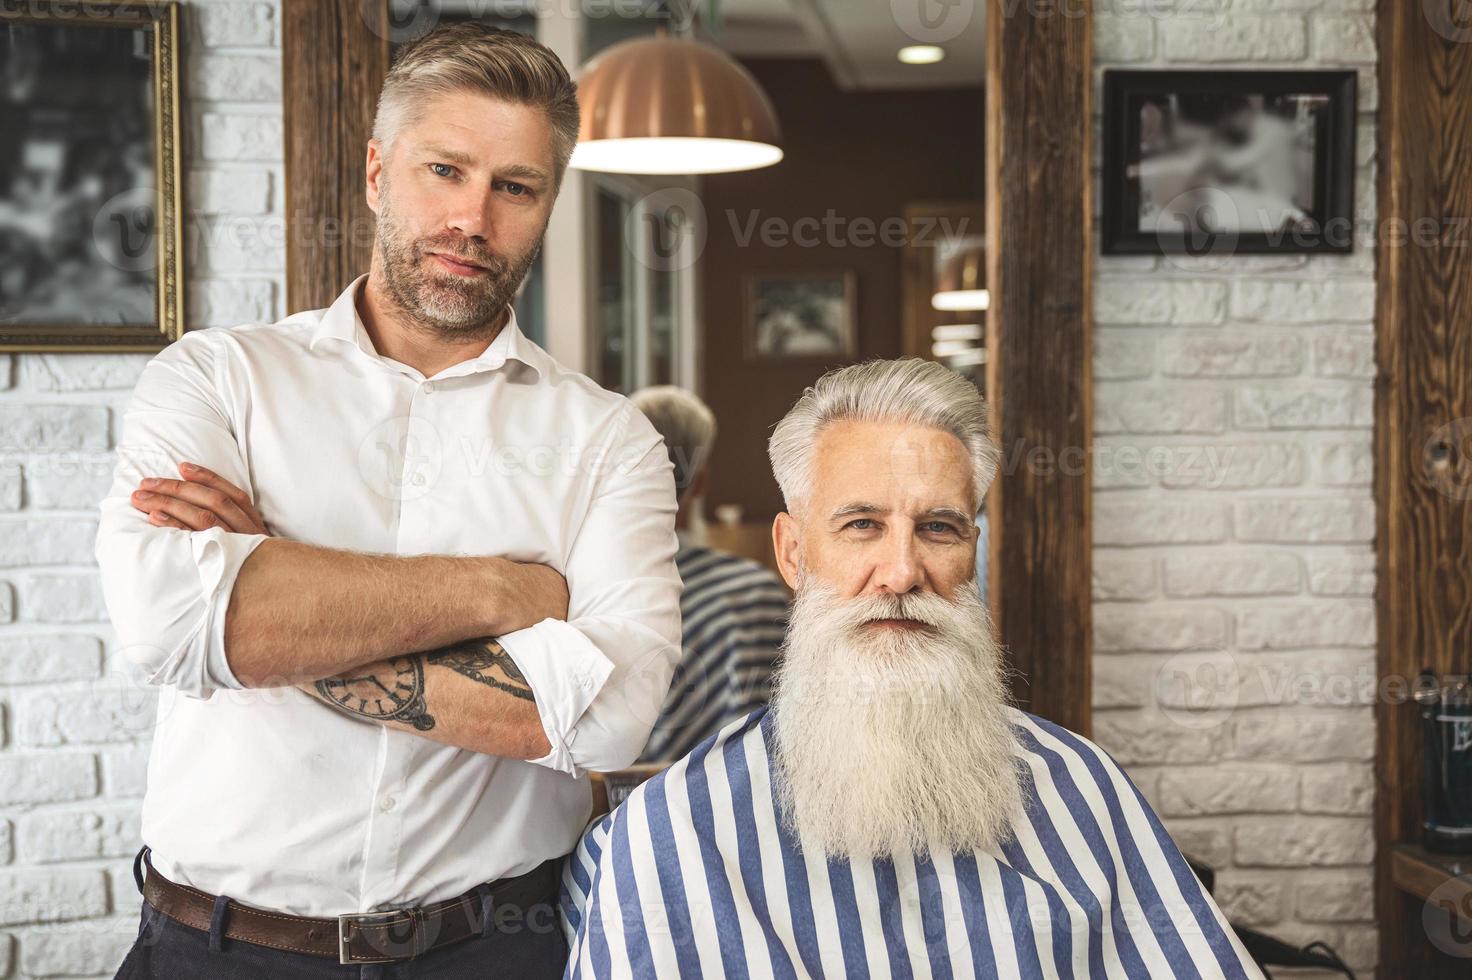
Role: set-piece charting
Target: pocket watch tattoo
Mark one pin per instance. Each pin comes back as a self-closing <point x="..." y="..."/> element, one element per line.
<point x="393" y="689"/>
<point x="486" y="661"/>
<point x="388" y="690"/>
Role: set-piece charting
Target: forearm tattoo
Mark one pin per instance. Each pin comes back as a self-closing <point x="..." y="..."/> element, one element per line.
<point x="486" y="661"/>
<point x="393" y="689"/>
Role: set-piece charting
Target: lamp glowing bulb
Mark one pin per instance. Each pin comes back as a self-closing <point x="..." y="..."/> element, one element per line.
<point x="922" y="54"/>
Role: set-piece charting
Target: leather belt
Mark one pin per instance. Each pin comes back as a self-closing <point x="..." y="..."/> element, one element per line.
<point x="359" y="937"/>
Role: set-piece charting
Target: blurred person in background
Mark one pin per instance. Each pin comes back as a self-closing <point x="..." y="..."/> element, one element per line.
<point x="734" y="610"/>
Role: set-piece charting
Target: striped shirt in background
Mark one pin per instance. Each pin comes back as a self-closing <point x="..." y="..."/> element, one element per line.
<point x="694" y="876"/>
<point x="734" y="614"/>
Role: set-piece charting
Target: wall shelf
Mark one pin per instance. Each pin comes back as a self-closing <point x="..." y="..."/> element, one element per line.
<point x="1423" y="873"/>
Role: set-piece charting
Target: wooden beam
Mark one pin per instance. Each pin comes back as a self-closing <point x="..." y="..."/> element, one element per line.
<point x="1423" y="442"/>
<point x="334" y="56"/>
<point x="1039" y="341"/>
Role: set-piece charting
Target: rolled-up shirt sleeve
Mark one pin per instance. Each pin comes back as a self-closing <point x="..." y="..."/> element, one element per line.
<point x="601" y="677"/>
<point x="167" y="589"/>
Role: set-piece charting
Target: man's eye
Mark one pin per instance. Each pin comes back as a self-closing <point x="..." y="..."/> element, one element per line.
<point x="517" y="190"/>
<point x="866" y="522"/>
<point x="938" y="527"/>
<point x="442" y="169"/>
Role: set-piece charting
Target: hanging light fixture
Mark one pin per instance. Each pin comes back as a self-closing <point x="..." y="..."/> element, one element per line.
<point x="961" y="281"/>
<point x="673" y="105"/>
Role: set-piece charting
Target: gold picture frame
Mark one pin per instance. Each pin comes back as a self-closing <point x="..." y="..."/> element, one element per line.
<point x="160" y="19"/>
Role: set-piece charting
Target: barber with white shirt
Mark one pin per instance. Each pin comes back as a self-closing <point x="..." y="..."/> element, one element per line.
<point x="401" y="578"/>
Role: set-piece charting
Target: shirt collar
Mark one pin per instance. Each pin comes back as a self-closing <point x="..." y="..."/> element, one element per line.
<point x="341" y="322"/>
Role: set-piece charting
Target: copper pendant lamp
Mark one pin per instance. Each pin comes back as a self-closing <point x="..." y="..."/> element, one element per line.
<point x="673" y="105"/>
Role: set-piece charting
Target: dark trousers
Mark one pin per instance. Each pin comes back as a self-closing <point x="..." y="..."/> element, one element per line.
<point x="532" y="947"/>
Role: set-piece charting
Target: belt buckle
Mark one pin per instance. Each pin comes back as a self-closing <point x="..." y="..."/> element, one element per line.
<point x="344" y="954"/>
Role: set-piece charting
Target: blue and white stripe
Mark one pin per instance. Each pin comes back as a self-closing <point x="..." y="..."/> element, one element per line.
<point x="693" y="876"/>
<point x="733" y="614"/>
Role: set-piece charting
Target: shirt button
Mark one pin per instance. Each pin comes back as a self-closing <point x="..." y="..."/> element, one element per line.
<point x="387" y="803"/>
<point x="418" y="479"/>
<point x="428" y="387"/>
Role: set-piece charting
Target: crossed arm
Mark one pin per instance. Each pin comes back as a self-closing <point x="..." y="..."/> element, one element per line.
<point x="336" y="624"/>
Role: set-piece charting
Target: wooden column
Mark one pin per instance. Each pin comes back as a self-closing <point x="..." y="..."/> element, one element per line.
<point x="334" y="56"/>
<point x="1423" y="426"/>
<point x="1039" y="341"/>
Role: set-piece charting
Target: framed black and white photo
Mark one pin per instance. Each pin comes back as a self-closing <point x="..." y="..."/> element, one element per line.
<point x="1228" y="162"/>
<point x="800" y="315"/>
<point x="90" y="202"/>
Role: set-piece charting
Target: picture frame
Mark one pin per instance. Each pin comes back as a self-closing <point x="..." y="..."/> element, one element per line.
<point x="91" y="190"/>
<point x="800" y="315"/>
<point x="1228" y="162"/>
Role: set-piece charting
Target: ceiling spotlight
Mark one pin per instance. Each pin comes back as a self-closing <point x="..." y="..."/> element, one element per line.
<point x="961" y="282"/>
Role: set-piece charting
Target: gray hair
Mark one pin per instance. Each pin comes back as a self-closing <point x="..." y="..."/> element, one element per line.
<point x="687" y="424"/>
<point x="487" y="60"/>
<point x="909" y="391"/>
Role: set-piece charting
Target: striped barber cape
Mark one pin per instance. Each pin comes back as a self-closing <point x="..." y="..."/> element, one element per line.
<point x="694" y="876"/>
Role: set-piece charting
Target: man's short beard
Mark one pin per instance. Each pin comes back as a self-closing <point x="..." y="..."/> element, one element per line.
<point x="893" y="742"/>
<point x="453" y="307"/>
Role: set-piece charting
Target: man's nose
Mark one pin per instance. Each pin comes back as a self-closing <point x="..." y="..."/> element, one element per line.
<point x="899" y="569"/>
<point x="473" y="215"/>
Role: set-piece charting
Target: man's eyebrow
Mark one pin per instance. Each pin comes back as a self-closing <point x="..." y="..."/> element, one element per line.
<point x="861" y="507"/>
<point x="523" y="171"/>
<point x="850" y="510"/>
<point x="446" y="154"/>
<point x="950" y="513"/>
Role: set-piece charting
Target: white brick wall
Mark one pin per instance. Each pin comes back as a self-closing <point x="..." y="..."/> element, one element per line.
<point x="1234" y="517"/>
<point x="74" y="721"/>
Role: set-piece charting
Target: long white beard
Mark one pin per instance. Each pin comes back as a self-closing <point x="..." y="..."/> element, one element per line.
<point x="893" y="742"/>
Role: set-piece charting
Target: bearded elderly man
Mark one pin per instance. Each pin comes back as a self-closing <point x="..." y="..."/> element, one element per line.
<point x="416" y="580"/>
<point x="889" y="814"/>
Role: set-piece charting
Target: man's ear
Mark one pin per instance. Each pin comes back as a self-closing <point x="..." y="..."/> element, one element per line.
<point x="374" y="173"/>
<point x="785" y="544"/>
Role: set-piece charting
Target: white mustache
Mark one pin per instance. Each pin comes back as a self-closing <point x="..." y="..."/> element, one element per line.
<point x="929" y="608"/>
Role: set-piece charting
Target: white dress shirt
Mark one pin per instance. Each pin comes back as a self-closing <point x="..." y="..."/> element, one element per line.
<point x="282" y="802"/>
